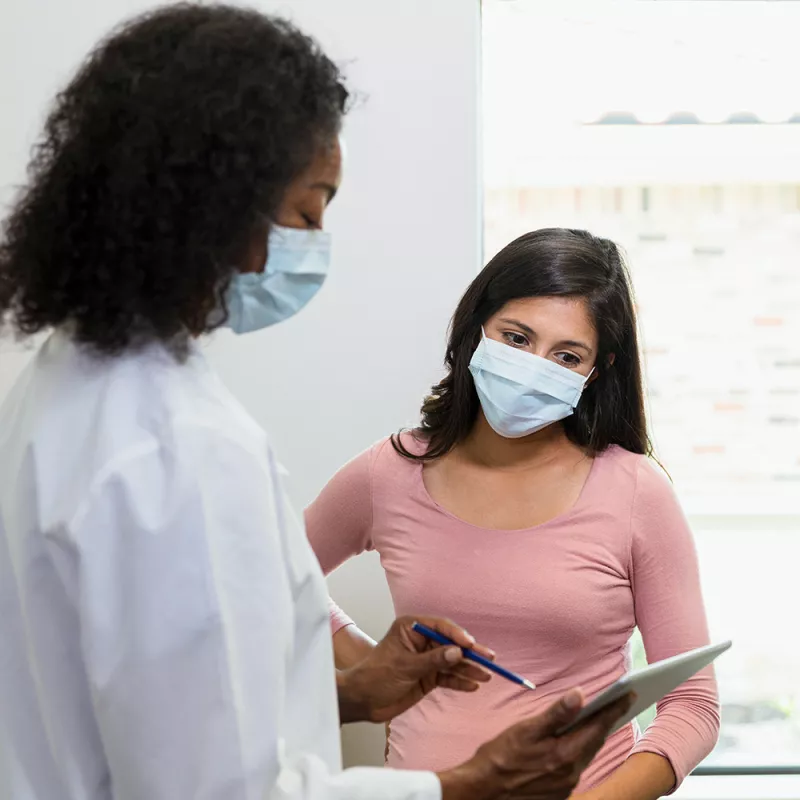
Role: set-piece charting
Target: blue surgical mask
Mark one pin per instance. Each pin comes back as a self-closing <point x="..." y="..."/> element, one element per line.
<point x="521" y="393"/>
<point x="297" y="265"/>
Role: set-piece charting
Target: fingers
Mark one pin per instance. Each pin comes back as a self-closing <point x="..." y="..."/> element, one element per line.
<point x="429" y="663"/>
<point x="457" y="684"/>
<point x="601" y="722"/>
<point x="471" y="672"/>
<point x="454" y="632"/>
<point x="483" y="650"/>
<point x="447" y="662"/>
<point x="606" y="718"/>
<point x="559" y="714"/>
<point x="589" y="736"/>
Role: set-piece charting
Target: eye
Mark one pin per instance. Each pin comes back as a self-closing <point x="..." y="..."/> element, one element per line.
<point x="515" y="339"/>
<point x="568" y="360"/>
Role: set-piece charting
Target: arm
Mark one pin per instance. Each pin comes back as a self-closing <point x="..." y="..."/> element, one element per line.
<point x="339" y="526"/>
<point x="670" y="614"/>
<point x="351" y="646"/>
<point x="642" y="776"/>
<point x="186" y="617"/>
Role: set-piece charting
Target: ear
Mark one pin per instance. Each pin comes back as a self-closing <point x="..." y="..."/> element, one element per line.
<point x="595" y="373"/>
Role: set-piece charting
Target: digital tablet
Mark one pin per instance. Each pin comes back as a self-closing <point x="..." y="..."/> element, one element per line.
<point x="650" y="684"/>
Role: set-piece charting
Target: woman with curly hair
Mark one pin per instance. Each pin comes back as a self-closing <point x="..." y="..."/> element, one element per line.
<point x="162" y="617"/>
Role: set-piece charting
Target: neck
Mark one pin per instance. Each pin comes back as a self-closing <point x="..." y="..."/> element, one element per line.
<point x="488" y="448"/>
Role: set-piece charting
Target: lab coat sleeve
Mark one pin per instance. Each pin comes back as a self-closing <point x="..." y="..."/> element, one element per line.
<point x="671" y="617"/>
<point x="186" y="617"/>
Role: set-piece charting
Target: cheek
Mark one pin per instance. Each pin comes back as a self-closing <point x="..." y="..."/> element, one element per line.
<point x="314" y="208"/>
<point x="256" y="256"/>
<point x="290" y="218"/>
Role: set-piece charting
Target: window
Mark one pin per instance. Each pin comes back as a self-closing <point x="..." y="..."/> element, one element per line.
<point x="674" y="129"/>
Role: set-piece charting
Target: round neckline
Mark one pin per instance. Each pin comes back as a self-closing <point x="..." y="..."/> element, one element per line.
<point x="559" y="518"/>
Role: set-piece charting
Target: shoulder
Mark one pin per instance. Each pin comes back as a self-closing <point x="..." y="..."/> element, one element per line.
<point x="641" y="471"/>
<point x="142" y="429"/>
<point x="148" y="401"/>
<point x="178" y="400"/>
<point x="616" y="473"/>
<point x="380" y="470"/>
<point x="384" y="459"/>
<point x="633" y="483"/>
<point x="656" y="513"/>
<point x="182" y="480"/>
<point x="392" y="458"/>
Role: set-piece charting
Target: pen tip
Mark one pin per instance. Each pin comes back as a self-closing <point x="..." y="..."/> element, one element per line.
<point x="528" y="684"/>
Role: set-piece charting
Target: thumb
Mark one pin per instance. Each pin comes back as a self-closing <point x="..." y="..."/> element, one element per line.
<point x="438" y="659"/>
<point x="559" y="714"/>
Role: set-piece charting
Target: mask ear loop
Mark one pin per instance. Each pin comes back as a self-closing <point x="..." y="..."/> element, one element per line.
<point x="478" y="348"/>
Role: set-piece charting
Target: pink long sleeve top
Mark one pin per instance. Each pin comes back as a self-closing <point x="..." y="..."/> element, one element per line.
<point x="557" y="602"/>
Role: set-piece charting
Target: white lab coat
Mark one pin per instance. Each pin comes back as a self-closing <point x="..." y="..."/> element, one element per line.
<point x="163" y="620"/>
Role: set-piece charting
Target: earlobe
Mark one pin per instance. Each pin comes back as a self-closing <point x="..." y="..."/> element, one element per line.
<point x="594" y="374"/>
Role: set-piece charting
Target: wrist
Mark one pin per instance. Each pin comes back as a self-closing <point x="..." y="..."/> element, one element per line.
<point x="353" y="705"/>
<point x="470" y="781"/>
<point x="351" y="646"/>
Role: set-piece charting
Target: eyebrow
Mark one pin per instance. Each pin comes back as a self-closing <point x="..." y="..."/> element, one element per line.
<point x="328" y="188"/>
<point x="531" y="332"/>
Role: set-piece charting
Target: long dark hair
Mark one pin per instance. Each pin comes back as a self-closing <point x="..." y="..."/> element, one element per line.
<point x="553" y="262"/>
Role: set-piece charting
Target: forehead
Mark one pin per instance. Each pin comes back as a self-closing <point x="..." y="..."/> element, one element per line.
<point x="552" y="316"/>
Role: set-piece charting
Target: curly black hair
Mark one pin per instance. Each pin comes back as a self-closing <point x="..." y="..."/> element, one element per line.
<point x="177" y="135"/>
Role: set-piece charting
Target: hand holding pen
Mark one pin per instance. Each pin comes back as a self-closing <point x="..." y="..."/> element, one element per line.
<point x="406" y="665"/>
<point x="473" y="655"/>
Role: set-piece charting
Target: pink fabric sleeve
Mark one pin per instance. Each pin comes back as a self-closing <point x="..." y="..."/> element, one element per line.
<point x="339" y="523"/>
<point x="671" y="617"/>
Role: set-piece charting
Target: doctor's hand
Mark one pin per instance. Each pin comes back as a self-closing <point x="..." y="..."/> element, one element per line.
<point x="406" y="666"/>
<point x="529" y="762"/>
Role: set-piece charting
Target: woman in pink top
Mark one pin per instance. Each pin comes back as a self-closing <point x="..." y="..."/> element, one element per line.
<point x="527" y="508"/>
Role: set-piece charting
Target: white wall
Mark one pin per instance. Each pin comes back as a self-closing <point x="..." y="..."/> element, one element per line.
<point x="406" y="228"/>
<point x="354" y="366"/>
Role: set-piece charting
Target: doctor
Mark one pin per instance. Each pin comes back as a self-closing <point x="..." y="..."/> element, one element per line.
<point x="163" y="620"/>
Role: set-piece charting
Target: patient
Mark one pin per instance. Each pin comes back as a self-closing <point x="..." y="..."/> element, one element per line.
<point x="527" y="507"/>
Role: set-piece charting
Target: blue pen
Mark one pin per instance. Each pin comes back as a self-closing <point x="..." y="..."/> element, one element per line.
<point x="437" y="637"/>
